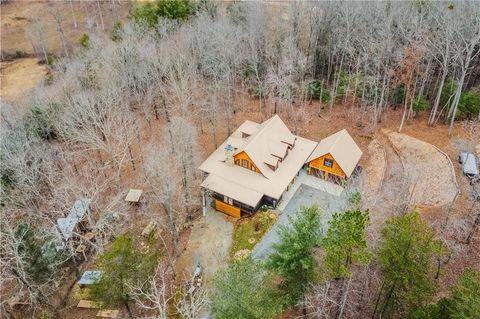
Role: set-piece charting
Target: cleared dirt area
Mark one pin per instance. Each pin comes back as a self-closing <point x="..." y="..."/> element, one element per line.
<point x="77" y="16"/>
<point x="428" y="170"/>
<point x="373" y="172"/>
<point x="209" y="244"/>
<point x="20" y="76"/>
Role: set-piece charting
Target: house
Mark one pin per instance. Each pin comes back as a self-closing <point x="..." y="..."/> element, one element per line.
<point x="335" y="158"/>
<point x="259" y="162"/>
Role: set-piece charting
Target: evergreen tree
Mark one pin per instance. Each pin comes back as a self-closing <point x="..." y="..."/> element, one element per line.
<point x="407" y="250"/>
<point x="171" y="9"/>
<point x="244" y="290"/>
<point x="293" y="258"/>
<point x="345" y="242"/>
<point x="39" y="256"/>
<point x="464" y="302"/>
<point x="121" y="265"/>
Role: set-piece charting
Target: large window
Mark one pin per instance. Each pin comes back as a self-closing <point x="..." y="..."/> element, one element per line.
<point x="244" y="163"/>
<point x="328" y="162"/>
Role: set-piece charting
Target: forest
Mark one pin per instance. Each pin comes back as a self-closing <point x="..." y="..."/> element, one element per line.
<point x="141" y="104"/>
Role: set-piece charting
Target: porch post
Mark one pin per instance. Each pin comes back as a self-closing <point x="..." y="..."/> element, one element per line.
<point x="204" y="203"/>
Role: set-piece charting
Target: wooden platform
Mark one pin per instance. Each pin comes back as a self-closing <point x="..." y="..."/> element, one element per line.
<point x="133" y="195"/>
<point x="89" y="304"/>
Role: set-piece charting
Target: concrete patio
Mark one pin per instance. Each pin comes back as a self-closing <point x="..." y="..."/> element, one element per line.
<point x="304" y="179"/>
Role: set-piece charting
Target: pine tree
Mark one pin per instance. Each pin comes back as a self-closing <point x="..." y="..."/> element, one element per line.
<point x="244" y="290"/>
<point x="406" y="258"/>
<point x="121" y="265"/>
<point x="345" y="242"/>
<point x="293" y="257"/>
<point x="465" y="300"/>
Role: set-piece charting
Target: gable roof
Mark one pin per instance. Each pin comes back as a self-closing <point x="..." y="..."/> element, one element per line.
<point x="343" y="149"/>
<point x="259" y="142"/>
<point x="267" y="143"/>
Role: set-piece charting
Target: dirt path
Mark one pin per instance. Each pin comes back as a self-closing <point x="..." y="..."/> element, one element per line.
<point x="209" y="243"/>
<point x="373" y="172"/>
<point x="387" y="197"/>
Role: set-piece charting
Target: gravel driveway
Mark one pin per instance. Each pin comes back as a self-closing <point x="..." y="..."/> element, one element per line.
<point x="304" y="196"/>
<point x="209" y="244"/>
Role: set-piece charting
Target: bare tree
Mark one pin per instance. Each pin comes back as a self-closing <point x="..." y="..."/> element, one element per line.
<point x="191" y="304"/>
<point x="183" y="142"/>
<point x="466" y="48"/>
<point x="58" y="17"/>
<point x="164" y="180"/>
<point x="36" y="34"/>
<point x="155" y="293"/>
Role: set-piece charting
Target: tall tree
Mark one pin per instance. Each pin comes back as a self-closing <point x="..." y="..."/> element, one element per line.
<point x="122" y="265"/>
<point x="244" y="290"/>
<point x="406" y="256"/>
<point x="345" y="242"/>
<point x="293" y="257"/>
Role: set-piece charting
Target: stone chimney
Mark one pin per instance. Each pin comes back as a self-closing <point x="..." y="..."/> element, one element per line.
<point x="229" y="150"/>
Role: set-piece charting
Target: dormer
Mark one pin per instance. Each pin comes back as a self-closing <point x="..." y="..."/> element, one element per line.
<point x="290" y="142"/>
<point x="272" y="162"/>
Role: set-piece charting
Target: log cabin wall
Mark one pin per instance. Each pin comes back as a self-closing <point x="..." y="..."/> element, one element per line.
<point x="241" y="157"/>
<point x="335" y="169"/>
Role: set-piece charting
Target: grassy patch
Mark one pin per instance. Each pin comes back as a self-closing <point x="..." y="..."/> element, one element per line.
<point x="249" y="231"/>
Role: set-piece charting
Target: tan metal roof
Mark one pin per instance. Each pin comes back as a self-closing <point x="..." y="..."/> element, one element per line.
<point x="265" y="143"/>
<point x="343" y="149"/>
<point x="233" y="190"/>
<point x="133" y="195"/>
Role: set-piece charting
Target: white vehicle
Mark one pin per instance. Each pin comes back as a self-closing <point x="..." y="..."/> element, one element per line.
<point x="469" y="164"/>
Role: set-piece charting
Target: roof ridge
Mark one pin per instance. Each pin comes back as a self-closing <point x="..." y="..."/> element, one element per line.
<point x="340" y="134"/>
<point x="261" y="130"/>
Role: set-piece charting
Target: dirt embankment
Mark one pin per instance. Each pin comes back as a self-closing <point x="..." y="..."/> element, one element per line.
<point x="428" y="170"/>
<point x="77" y="18"/>
<point x="18" y="77"/>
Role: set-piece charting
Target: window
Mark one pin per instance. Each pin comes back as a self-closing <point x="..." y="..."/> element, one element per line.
<point x="225" y="199"/>
<point x="328" y="162"/>
<point x="253" y="168"/>
<point x="244" y="163"/>
<point x="237" y="162"/>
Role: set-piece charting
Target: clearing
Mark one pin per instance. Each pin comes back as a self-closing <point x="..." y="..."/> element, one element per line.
<point x="209" y="244"/>
<point x="20" y="76"/>
<point x="428" y="170"/>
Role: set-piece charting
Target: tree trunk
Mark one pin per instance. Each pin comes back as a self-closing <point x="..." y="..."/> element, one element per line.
<point x="456" y="100"/>
<point x="473" y="230"/>
<point x="73" y="15"/>
<point x="101" y="15"/>
<point x="431" y="120"/>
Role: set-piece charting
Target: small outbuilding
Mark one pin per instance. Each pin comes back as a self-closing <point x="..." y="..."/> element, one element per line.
<point x="469" y="164"/>
<point x="133" y="195"/>
<point x="335" y="158"/>
<point x="78" y="213"/>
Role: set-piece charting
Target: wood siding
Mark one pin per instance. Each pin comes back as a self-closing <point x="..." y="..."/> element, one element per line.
<point x="243" y="156"/>
<point x="318" y="163"/>
<point x="227" y="209"/>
